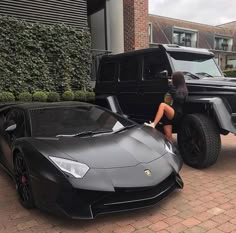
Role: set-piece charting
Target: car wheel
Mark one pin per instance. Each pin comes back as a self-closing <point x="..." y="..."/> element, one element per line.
<point x="199" y="141"/>
<point x="23" y="184"/>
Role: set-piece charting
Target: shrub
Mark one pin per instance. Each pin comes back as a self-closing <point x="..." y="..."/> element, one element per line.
<point x="230" y="73"/>
<point x="25" y="97"/>
<point x="53" y="96"/>
<point x="80" y="96"/>
<point x="6" y="96"/>
<point x="90" y="96"/>
<point x="68" y="96"/>
<point x="40" y="96"/>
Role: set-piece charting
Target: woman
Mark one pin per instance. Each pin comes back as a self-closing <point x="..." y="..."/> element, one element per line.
<point x="173" y="112"/>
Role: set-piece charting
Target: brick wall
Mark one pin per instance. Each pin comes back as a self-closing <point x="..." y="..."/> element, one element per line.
<point x="136" y="24"/>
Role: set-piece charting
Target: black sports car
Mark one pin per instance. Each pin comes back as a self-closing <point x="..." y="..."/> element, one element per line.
<point x="81" y="160"/>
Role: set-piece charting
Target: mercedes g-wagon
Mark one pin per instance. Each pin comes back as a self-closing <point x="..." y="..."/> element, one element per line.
<point x="134" y="84"/>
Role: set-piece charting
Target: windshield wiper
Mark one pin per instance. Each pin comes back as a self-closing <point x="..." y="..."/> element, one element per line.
<point x="194" y="76"/>
<point x="125" y="128"/>
<point x="85" y="133"/>
<point x="204" y="74"/>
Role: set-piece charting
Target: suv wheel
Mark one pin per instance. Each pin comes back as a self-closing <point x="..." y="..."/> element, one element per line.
<point x="199" y="141"/>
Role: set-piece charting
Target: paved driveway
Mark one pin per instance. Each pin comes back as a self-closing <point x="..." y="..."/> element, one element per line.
<point x="206" y="204"/>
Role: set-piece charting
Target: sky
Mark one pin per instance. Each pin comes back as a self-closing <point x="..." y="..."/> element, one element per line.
<point x="212" y="12"/>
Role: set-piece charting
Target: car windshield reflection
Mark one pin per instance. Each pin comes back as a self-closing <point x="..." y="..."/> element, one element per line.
<point x="75" y="121"/>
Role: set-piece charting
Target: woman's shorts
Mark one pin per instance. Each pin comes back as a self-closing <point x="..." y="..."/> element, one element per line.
<point x="176" y="119"/>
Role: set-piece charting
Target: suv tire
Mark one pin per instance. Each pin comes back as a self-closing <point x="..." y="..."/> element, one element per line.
<point x="199" y="141"/>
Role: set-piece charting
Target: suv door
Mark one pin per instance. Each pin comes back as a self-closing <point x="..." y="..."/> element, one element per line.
<point x="107" y="78"/>
<point x="127" y="85"/>
<point x="153" y="85"/>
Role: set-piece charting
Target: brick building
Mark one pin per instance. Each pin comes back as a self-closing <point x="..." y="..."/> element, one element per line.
<point x="120" y="25"/>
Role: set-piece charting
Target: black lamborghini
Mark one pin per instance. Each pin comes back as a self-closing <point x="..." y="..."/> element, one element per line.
<point x="80" y="160"/>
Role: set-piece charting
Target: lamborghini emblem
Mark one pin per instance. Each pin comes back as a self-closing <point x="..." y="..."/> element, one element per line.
<point x="148" y="172"/>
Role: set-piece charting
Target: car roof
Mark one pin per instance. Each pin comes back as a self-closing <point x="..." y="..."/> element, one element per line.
<point x="165" y="47"/>
<point x="36" y="105"/>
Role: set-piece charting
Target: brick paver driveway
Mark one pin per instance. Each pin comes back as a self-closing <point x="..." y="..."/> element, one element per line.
<point x="206" y="204"/>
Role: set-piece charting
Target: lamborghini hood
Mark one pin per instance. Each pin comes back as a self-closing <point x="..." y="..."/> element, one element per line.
<point x="124" y="149"/>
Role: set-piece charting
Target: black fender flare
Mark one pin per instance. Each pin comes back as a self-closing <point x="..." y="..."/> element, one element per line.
<point x="222" y="113"/>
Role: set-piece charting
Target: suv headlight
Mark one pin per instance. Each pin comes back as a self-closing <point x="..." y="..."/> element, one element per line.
<point x="169" y="148"/>
<point x="76" y="169"/>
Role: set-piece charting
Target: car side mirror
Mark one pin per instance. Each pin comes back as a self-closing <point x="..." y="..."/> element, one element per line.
<point x="11" y="127"/>
<point x="164" y="73"/>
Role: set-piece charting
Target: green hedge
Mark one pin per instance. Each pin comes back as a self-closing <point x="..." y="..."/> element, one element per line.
<point x="25" y="97"/>
<point x="53" y="96"/>
<point x="6" y="96"/>
<point x="43" y="57"/>
<point x="230" y="73"/>
<point x="68" y="96"/>
<point x="42" y="96"/>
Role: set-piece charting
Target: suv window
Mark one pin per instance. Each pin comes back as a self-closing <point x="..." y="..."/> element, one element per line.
<point x="129" y="69"/>
<point x="108" y="72"/>
<point x="153" y="65"/>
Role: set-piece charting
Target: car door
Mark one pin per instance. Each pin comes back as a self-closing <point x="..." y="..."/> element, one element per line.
<point x="154" y="83"/>
<point x="14" y="116"/>
<point x="3" y="145"/>
<point x="127" y="85"/>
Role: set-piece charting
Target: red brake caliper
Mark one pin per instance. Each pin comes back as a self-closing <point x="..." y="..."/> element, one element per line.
<point x="23" y="180"/>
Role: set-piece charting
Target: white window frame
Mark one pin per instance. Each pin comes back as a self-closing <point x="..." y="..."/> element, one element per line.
<point x="186" y="30"/>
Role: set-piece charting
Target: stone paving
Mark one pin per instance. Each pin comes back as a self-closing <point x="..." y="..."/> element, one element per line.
<point x="206" y="204"/>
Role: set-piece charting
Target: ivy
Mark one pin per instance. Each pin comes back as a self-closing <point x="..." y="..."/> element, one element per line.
<point x="230" y="73"/>
<point x="43" y="57"/>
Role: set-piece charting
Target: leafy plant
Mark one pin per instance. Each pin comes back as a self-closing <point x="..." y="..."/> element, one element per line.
<point x="35" y="57"/>
<point x="25" y="97"/>
<point x="40" y="96"/>
<point x="80" y="95"/>
<point x="53" y="96"/>
<point x="68" y="96"/>
<point x="90" y="96"/>
<point x="230" y="73"/>
<point x="6" y="96"/>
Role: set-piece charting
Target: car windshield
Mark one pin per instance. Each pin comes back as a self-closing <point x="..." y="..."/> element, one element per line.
<point x="75" y="121"/>
<point x="197" y="64"/>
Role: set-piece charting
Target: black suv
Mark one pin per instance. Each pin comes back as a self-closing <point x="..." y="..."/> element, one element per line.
<point x="134" y="83"/>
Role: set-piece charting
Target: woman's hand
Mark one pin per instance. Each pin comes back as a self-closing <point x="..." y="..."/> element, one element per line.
<point x="150" y="124"/>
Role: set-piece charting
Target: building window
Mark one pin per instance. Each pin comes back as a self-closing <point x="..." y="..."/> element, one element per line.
<point x="185" y="37"/>
<point x="150" y="33"/>
<point x="223" y="43"/>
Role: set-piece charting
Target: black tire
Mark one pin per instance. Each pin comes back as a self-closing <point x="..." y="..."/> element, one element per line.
<point x="23" y="183"/>
<point x="199" y="141"/>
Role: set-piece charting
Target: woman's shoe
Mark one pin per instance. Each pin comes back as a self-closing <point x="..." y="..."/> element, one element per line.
<point x="151" y="124"/>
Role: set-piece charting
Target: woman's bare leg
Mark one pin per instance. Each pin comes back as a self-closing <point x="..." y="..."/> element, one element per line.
<point x="168" y="132"/>
<point x="164" y="109"/>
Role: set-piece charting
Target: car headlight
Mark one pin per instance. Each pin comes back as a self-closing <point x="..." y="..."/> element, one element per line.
<point x="169" y="148"/>
<point x="76" y="169"/>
